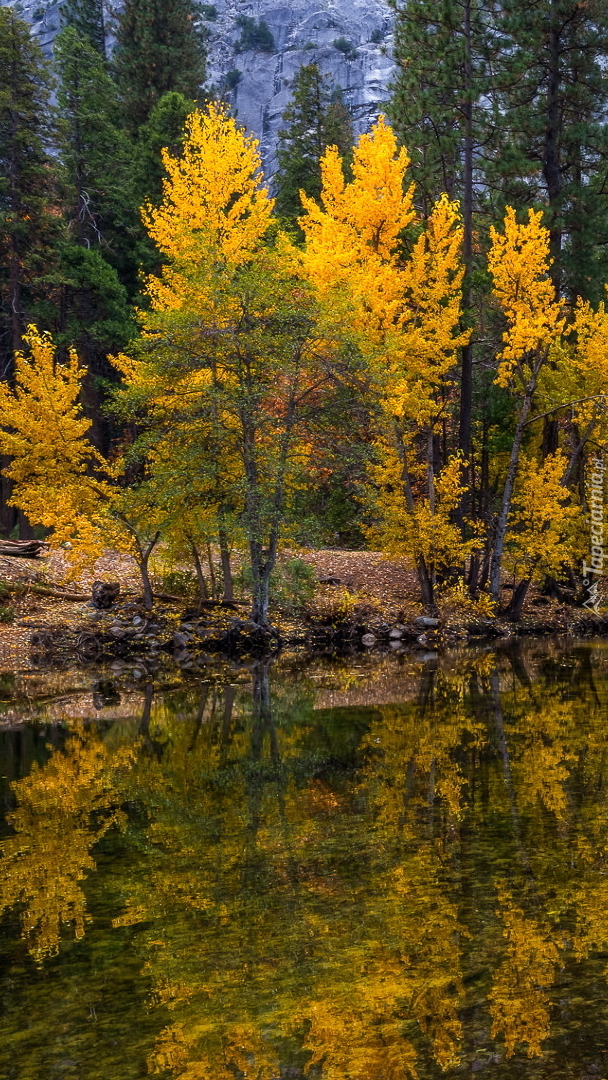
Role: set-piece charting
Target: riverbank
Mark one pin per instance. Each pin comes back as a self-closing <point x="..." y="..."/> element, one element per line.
<point x="361" y="601"/>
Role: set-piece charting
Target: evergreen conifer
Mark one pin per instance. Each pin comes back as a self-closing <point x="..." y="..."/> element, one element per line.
<point x="87" y="18"/>
<point x="29" y="220"/>
<point x="97" y="158"/>
<point x="314" y="119"/>
<point x="159" y="49"/>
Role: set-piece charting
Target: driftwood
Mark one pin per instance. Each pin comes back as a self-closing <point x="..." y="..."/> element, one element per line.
<point x="57" y="594"/>
<point x="24" y="549"/>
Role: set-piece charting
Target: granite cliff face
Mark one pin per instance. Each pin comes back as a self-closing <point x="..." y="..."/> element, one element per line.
<point x="350" y="40"/>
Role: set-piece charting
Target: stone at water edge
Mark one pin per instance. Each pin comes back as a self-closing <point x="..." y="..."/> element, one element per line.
<point x="104" y="594"/>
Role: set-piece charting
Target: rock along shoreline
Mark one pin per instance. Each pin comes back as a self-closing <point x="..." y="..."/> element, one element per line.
<point x="191" y="637"/>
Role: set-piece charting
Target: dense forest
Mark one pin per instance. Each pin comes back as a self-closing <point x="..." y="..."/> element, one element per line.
<point x="398" y="344"/>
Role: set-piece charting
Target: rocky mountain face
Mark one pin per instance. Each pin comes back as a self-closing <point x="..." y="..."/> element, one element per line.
<point x="350" y="40"/>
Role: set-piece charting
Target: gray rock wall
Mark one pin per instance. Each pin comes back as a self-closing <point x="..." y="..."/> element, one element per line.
<point x="304" y="31"/>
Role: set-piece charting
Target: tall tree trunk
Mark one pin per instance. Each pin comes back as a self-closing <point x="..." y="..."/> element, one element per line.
<point x="515" y="606"/>
<point x="425" y="575"/>
<point x="466" y="377"/>
<point x="551" y="148"/>
<point x="211" y="572"/>
<point x="200" y="577"/>
<point x="507" y="495"/>
<point x="226" y="568"/>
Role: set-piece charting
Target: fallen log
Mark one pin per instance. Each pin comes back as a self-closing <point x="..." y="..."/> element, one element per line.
<point x="23" y="549"/>
<point x="57" y="594"/>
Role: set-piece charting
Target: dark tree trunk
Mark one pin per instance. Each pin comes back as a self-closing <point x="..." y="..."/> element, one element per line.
<point x="507" y="495"/>
<point x="551" y="149"/>
<point x="200" y="577"/>
<point x="514" y="608"/>
<point x="466" y="378"/>
<point x="226" y="568"/>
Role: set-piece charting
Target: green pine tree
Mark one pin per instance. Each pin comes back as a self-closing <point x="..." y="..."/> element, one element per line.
<point x="97" y="158"/>
<point x="29" y="222"/>
<point x="445" y="112"/>
<point x="164" y="129"/>
<point x="314" y="119"/>
<point x="104" y="237"/>
<point x="87" y="18"/>
<point x="95" y="317"/>
<point x="553" y="148"/>
<point x="29" y="204"/>
<point x="159" y="49"/>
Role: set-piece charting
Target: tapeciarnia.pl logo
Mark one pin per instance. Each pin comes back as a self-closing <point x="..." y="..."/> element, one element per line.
<point x="594" y="570"/>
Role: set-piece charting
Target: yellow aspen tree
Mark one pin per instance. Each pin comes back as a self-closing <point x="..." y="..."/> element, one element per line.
<point x="53" y="463"/>
<point x="60" y="480"/>
<point x="520" y="266"/>
<point x="404" y="312"/>
<point x="231" y="349"/>
<point x="543" y="524"/>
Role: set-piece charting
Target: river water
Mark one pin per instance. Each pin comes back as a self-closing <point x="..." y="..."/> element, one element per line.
<point x="366" y="869"/>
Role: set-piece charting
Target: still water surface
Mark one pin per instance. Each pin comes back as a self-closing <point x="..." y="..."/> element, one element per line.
<point x="366" y="870"/>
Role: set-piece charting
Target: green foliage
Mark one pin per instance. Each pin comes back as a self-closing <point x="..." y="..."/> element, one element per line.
<point x="102" y="207"/>
<point x="255" y="34"/>
<point x="96" y="305"/>
<point x="163" y="130"/>
<point x="179" y="582"/>
<point x="292" y="584"/>
<point x="345" y="46"/>
<point x="7" y="615"/>
<point x="232" y="79"/>
<point x="315" y="118"/>
<point x="430" y="94"/>
<point x="159" y="49"/>
<point x="554" y="136"/>
<point x="531" y="82"/>
<point x="86" y="17"/>
<point x="29" y="223"/>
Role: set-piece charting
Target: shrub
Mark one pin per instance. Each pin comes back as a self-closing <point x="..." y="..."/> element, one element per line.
<point x="7" y="615"/>
<point x="179" y="583"/>
<point x="232" y="78"/>
<point x="255" y="35"/>
<point x="345" y="46"/>
<point x="335" y="605"/>
<point x="292" y="584"/>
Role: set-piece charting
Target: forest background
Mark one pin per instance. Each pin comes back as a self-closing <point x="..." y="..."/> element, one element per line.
<point x="410" y="355"/>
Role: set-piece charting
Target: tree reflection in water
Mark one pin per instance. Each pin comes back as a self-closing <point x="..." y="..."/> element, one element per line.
<point x="391" y="891"/>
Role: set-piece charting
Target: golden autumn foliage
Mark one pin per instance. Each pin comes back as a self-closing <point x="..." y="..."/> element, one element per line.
<point x="428" y="531"/>
<point x="519" y="264"/>
<point x="43" y="430"/>
<point x="253" y="352"/>
<point x="544" y="521"/>
<point x="518" y="998"/>
<point x="405" y="313"/>
<point x="43" y="865"/>
<point x="213" y="199"/>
